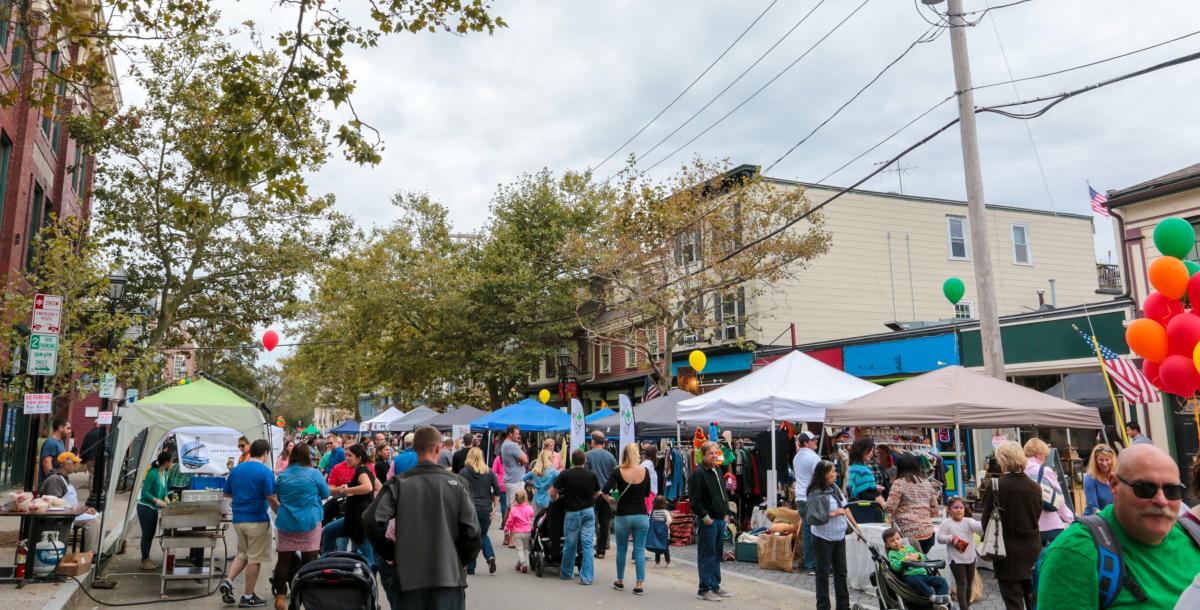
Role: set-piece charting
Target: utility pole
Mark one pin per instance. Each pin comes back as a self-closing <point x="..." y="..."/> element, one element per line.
<point x="989" y="318"/>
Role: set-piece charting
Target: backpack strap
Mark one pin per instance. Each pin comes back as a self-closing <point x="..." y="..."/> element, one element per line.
<point x="1110" y="563"/>
<point x="1192" y="528"/>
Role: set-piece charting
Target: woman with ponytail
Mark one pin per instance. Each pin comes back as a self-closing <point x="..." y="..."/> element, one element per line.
<point x="154" y="494"/>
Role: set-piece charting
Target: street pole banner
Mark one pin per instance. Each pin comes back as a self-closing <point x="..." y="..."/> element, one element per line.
<point x="626" y="421"/>
<point x="108" y="386"/>
<point x="578" y="432"/>
<point x="207" y="453"/>
<point x="457" y="432"/>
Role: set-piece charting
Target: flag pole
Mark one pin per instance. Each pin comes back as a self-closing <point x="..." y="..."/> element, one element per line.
<point x="1108" y="385"/>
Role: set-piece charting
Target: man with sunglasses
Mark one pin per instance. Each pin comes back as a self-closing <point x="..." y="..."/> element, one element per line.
<point x="1158" y="558"/>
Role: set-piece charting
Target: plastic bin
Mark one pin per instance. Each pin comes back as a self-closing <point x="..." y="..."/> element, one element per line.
<point x="199" y="482"/>
<point x="746" y="551"/>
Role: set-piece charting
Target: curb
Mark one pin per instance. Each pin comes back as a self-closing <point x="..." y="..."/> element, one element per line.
<point x="68" y="595"/>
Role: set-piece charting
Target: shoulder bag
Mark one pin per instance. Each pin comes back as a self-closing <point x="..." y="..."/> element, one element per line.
<point x="992" y="547"/>
<point x="1052" y="500"/>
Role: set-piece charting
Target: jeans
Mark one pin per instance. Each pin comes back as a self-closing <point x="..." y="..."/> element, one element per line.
<point x="639" y="526"/>
<point x="810" y="558"/>
<point x="927" y="584"/>
<point x="831" y="559"/>
<point x="579" y="529"/>
<point x="603" y="521"/>
<point x="337" y="529"/>
<point x="387" y="579"/>
<point x="148" y="519"/>
<point x="709" y="542"/>
<point x="485" y="521"/>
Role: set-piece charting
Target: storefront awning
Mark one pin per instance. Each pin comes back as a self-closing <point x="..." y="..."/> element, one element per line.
<point x="722" y="363"/>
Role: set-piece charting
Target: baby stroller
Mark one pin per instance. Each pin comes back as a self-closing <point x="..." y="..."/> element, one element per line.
<point x="337" y="581"/>
<point x="892" y="591"/>
<point x="546" y="541"/>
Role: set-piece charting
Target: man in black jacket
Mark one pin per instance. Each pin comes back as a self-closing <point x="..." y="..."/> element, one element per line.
<point x="459" y="460"/>
<point x="431" y="510"/>
<point x="710" y="505"/>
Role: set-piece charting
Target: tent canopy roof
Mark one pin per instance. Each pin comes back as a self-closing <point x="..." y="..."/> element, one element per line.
<point x="655" y="417"/>
<point x="955" y="396"/>
<point x="347" y="427"/>
<point x="391" y="415"/>
<point x="796" y="387"/>
<point x="413" y="419"/>
<point x="458" y="416"/>
<point x="598" y="415"/>
<point x="529" y="414"/>
<point x="202" y="391"/>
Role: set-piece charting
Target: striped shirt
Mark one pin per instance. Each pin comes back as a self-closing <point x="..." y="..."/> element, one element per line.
<point x="835" y="529"/>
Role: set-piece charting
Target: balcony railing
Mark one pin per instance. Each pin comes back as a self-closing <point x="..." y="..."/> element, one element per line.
<point x="1109" y="279"/>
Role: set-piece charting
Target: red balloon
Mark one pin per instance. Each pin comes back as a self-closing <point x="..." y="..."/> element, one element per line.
<point x="1161" y="309"/>
<point x="1183" y="333"/>
<point x="1152" y="372"/>
<point x="271" y="339"/>
<point x="1193" y="290"/>
<point x="1179" y="376"/>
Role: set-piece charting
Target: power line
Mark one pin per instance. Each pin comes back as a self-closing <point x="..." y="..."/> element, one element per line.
<point x="929" y="36"/>
<point x="1053" y="99"/>
<point x="730" y="85"/>
<point x="689" y="87"/>
<point x="760" y="89"/>
<point x="886" y="139"/>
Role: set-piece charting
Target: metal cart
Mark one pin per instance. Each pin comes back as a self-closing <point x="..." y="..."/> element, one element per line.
<point x="194" y="522"/>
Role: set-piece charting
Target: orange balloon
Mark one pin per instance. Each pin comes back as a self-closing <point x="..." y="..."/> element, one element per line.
<point x="1169" y="276"/>
<point x="1148" y="339"/>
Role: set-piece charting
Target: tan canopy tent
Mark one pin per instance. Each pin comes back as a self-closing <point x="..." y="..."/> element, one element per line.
<point x="954" y="396"/>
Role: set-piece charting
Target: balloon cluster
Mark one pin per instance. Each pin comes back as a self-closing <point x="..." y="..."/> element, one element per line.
<point x="1168" y="337"/>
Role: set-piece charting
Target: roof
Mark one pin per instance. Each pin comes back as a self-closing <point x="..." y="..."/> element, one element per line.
<point x="741" y="169"/>
<point x="1166" y="184"/>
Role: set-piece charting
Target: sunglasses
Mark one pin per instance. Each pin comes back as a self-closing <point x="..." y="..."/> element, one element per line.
<point x="1103" y="450"/>
<point x="1147" y="490"/>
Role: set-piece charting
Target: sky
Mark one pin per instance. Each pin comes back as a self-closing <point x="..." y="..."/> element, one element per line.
<point x="567" y="82"/>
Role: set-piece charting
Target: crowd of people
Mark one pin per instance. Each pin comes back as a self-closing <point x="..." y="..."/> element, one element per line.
<point x="329" y="495"/>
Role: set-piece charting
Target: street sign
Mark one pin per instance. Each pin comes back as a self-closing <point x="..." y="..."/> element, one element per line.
<point x="91" y="411"/>
<point x="37" y="404"/>
<point x="131" y="396"/>
<point x="43" y="354"/>
<point x="104" y="418"/>
<point x="108" y="387"/>
<point x="47" y="314"/>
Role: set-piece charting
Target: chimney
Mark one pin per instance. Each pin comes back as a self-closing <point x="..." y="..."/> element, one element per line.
<point x="1053" y="295"/>
<point x="1041" y="298"/>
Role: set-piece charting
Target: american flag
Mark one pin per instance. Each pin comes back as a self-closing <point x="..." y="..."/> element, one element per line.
<point x="1132" y="383"/>
<point x="650" y="389"/>
<point x="1098" y="201"/>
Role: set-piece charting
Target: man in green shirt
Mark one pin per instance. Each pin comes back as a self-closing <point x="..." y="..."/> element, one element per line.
<point x="1158" y="554"/>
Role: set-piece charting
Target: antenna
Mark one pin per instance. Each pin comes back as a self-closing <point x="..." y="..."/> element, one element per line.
<point x="899" y="170"/>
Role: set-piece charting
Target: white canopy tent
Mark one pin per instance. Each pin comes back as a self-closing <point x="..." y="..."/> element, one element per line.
<point x="200" y="403"/>
<point x="796" y="387"/>
<point x="381" y="421"/>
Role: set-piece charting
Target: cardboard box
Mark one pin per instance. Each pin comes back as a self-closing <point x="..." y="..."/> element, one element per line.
<point x="75" y="564"/>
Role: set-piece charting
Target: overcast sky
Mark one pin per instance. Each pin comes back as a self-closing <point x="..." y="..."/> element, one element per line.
<point x="567" y="82"/>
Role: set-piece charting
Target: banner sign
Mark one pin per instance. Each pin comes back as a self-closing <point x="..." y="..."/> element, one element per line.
<point x="38" y="404"/>
<point x="457" y="432"/>
<point x="104" y="418"/>
<point x="578" y="431"/>
<point x="207" y="453"/>
<point x="627" y="434"/>
<point x="108" y="387"/>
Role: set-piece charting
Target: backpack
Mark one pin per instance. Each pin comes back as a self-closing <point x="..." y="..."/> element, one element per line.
<point x="1052" y="500"/>
<point x="1110" y="561"/>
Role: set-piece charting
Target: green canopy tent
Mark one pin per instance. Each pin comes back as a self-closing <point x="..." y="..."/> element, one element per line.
<point x="311" y="430"/>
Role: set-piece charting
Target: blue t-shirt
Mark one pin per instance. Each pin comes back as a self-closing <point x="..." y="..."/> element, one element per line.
<point x="407" y="459"/>
<point x="337" y="457"/>
<point x="249" y="483"/>
<point x="52" y="447"/>
<point x="300" y="491"/>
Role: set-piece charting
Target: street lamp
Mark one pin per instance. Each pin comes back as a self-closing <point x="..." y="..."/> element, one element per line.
<point x="97" y="499"/>
<point x="566" y="389"/>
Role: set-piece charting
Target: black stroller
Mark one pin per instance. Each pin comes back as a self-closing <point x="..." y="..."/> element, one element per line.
<point x="890" y="588"/>
<point x="337" y="581"/>
<point x="546" y="541"/>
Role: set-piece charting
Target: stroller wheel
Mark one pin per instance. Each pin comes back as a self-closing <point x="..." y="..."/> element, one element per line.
<point x="539" y="564"/>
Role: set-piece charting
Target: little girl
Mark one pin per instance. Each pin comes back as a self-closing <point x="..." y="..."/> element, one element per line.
<point x="519" y="524"/>
<point x="958" y="534"/>
<point x="659" y="538"/>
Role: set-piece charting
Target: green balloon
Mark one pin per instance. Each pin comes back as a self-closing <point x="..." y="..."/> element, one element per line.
<point x="954" y="289"/>
<point x="1192" y="267"/>
<point x="1174" y="237"/>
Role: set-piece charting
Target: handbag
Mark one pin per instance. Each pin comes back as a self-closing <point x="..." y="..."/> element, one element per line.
<point x="1052" y="500"/>
<point x="992" y="547"/>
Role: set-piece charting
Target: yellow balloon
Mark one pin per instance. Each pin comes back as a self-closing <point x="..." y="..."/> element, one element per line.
<point x="544" y="396"/>
<point x="697" y="359"/>
<point x="1196" y="356"/>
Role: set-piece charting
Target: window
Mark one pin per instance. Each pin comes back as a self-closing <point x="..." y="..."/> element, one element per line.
<point x="551" y="364"/>
<point x="730" y="311"/>
<point x="39" y="214"/>
<point x="630" y="357"/>
<point x="964" y="310"/>
<point x="688" y="248"/>
<point x="180" y="366"/>
<point x="1022" y="253"/>
<point x="5" y="18"/>
<point x="652" y="345"/>
<point x="77" y="169"/>
<point x="605" y="357"/>
<point x="956" y="228"/>
<point x="48" y="114"/>
<point x="18" y="52"/>
<point x="5" y="154"/>
<point x="688" y="335"/>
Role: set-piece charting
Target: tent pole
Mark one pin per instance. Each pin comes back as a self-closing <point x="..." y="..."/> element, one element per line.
<point x="959" y="488"/>
<point x="773" y="477"/>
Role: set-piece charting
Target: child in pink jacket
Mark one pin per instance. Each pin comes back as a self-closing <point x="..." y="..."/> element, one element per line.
<point x="519" y="524"/>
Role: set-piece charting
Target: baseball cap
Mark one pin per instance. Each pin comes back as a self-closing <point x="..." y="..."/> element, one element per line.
<point x="68" y="456"/>
<point x="408" y="438"/>
<point x="807" y="436"/>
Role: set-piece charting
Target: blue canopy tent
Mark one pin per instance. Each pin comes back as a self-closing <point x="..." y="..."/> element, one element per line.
<point x="529" y="415"/>
<point x="598" y="415"/>
<point x="347" y="427"/>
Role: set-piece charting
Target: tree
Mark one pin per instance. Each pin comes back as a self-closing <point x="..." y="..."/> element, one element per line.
<point x="210" y="244"/>
<point x="669" y="261"/>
